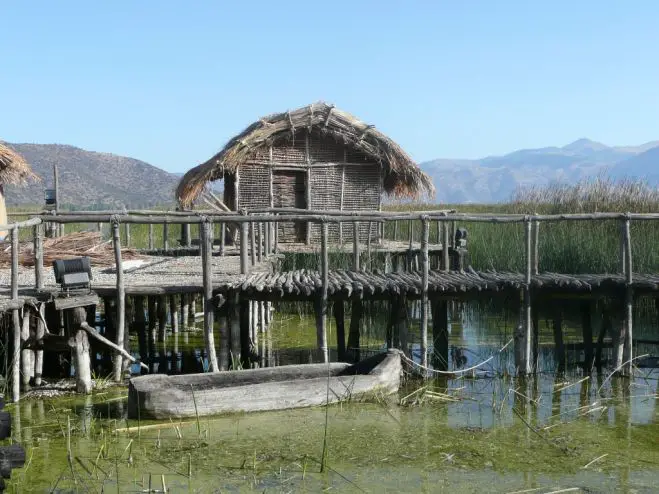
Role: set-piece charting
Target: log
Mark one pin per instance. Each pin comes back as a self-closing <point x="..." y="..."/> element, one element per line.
<point x="121" y="300"/>
<point x="96" y="335"/>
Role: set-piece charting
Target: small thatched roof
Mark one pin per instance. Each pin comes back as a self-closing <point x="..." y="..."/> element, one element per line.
<point x="403" y="178"/>
<point x="13" y="168"/>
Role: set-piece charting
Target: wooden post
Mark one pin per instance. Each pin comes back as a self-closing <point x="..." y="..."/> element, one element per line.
<point x="425" y="225"/>
<point x="629" y="299"/>
<point x="321" y="313"/>
<point x="559" y="348"/>
<point x="165" y="236"/>
<point x="82" y="353"/>
<point x="209" y="309"/>
<point x="523" y="353"/>
<point x="276" y="234"/>
<point x="185" y="306"/>
<point x="369" y="262"/>
<point x="38" y="354"/>
<point x="440" y="334"/>
<point x="401" y="330"/>
<point x="38" y="255"/>
<point x="153" y="317"/>
<point x="173" y="312"/>
<point x="252" y="243"/>
<point x="245" y="346"/>
<point x="162" y="318"/>
<point x="605" y="327"/>
<point x="223" y="237"/>
<point x="225" y="336"/>
<point x="446" y="263"/>
<point x="127" y="233"/>
<point x="338" y="308"/>
<point x="410" y="233"/>
<point x="233" y="311"/>
<point x="140" y="328"/>
<point x="27" y="355"/>
<point x="259" y="242"/>
<point x="268" y="239"/>
<point x="356" y="312"/>
<point x="535" y="340"/>
<point x="16" y="357"/>
<point x="623" y="248"/>
<point x="58" y="227"/>
<point x="121" y="300"/>
<point x="150" y="236"/>
<point x="185" y="233"/>
<point x="536" y="238"/>
<point x="395" y="230"/>
<point x="587" y="331"/>
<point x="355" y="246"/>
<point x="244" y="261"/>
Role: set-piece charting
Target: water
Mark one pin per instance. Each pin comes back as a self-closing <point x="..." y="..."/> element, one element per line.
<point x="485" y="432"/>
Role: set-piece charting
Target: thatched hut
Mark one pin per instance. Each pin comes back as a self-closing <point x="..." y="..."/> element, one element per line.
<point x="317" y="157"/>
<point x="14" y="170"/>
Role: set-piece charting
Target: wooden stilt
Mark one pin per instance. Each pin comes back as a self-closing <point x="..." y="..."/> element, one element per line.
<point x="162" y="318"/>
<point x="27" y="355"/>
<point x="223" y="237"/>
<point x="446" y="263"/>
<point x="338" y="308"/>
<point x="322" y="312"/>
<point x="587" y="331"/>
<point x="535" y="339"/>
<point x="440" y="334"/>
<point x="559" y="348"/>
<point x="245" y="347"/>
<point x="165" y="236"/>
<point x="38" y="255"/>
<point x="173" y="311"/>
<point x="605" y="327"/>
<point x="16" y="321"/>
<point x="356" y="312"/>
<point x="185" y="307"/>
<point x="82" y="354"/>
<point x="150" y="236"/>
<point x="185" y="233"/>
<point x="38" y="354"/>
<point x="425" y="266"/>
<point x="140" y="328"/>
<point x="225" y="336"/>
<point x="525" y="364"/>
<point x="121" y="301"/>
<point x="402" y="326"/>
<point x="244" y="239"/>
<point x="629" y="300"/>
<point x="234" y="321"/>
<point x="127" y="233"/>
<point x="193" y="309"/>
<point x="355" y="245"/>
<point x="209" y="306"/>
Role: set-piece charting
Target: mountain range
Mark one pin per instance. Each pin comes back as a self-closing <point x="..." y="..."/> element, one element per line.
<point x="101" y="180"/>
<point x="495" y="178"/>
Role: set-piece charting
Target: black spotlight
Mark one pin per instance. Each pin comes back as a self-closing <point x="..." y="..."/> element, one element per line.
<point x="73" y="274"/>
<point x="461" y="237"/>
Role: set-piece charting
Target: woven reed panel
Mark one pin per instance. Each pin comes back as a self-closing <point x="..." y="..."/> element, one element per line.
<point x="361" y="192"/>
<point x="324" y="149"/>
<point x="289" y="191"/>
<point x="254" y="187"/>
<point x="355" y="156"/>
<point x="326" y="194"/>
<point x="291" y="151"/>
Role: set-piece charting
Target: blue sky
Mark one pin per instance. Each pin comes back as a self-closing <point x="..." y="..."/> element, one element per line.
<point x="170" y="82"/>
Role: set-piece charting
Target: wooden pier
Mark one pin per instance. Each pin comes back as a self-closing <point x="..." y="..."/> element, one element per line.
<point x="237" y="282"/>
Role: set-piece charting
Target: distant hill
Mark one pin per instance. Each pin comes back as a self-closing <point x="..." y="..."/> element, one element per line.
<point x="94" y="180"/>
<point x="495" y="178"/>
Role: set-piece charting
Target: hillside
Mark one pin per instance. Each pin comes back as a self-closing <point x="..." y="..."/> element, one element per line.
<point x="495" y="178"/>
<point x="90" y="179"/>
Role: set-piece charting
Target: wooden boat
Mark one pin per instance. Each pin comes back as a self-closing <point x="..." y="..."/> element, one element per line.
<point x="159" y="396"/>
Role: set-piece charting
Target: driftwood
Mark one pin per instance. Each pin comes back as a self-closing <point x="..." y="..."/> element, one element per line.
<point x="272" y="388"/>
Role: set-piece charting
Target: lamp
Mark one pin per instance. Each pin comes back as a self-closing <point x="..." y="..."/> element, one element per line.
<point x="461" y="237"/>
<point x="73" y="273"/>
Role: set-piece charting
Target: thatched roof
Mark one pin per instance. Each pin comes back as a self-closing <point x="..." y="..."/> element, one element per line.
<point x="13" y="168"/>
<point x="403" y="178"/>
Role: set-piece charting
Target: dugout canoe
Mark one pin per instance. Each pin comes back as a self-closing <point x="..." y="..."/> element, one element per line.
<point x="159" y="396"/>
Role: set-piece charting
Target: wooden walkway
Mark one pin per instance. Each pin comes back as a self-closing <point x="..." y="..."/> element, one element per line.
<point x="306" y="284"/>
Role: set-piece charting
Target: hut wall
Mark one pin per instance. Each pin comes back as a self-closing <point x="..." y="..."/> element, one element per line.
<point x="310" y="171"/>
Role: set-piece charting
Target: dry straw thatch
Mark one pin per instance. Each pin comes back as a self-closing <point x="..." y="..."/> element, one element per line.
<point x="13" y="168"/>
<point x="402" y="178"/>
